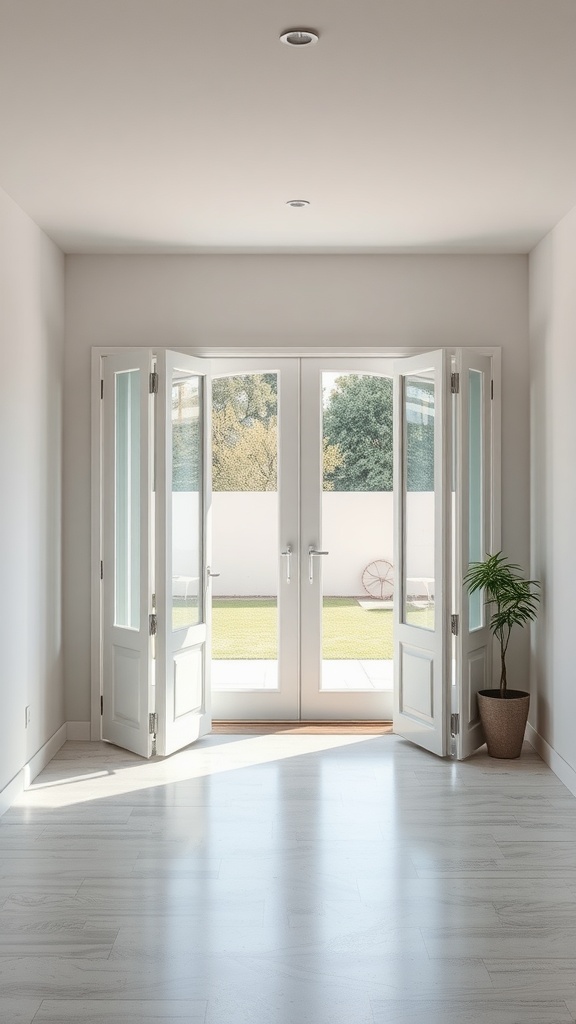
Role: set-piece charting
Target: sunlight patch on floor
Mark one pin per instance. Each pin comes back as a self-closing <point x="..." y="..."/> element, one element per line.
<point x="210" y="756"/>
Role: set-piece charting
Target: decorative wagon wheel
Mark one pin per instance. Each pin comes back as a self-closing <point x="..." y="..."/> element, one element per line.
<point x="378" y="579"/>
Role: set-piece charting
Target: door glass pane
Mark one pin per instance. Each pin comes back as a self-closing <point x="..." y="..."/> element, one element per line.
<point x="127" y="500"/>
<point x="475" y="482"/>
<point x="245" y="532"/>
<point x="357" y="531"/>
<point x="418" y="504"/>
<point x="187" y="513"/>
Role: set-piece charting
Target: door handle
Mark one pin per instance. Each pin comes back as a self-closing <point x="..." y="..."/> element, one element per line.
<point x="210" y="574"/>
<point x="312" y="553"/>
<point x="288" y="556"/>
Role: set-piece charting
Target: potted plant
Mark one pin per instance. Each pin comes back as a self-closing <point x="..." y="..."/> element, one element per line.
<point x="513" y="601"/>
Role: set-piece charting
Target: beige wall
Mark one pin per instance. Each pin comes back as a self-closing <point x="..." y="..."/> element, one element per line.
<point x="295" y="302"/>
<point x="553" y="372"/>
<point x="31" y="361"/>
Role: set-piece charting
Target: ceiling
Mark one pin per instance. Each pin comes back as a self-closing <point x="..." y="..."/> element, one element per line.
<point x="185" y="125"/>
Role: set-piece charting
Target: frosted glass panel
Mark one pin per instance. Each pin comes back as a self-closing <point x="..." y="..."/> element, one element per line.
<point x="418" y="504"/>
<point x="127" y="500"/>
<point x="186" y="500"/>
<point x="475" y="509"/>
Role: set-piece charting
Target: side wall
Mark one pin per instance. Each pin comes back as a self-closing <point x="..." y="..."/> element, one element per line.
<point x="553" y="373"/>
<point x="294" y="302"/>
<point x="31" y="347"/>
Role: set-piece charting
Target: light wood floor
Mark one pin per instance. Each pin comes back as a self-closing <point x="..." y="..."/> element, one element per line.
<point x="288" y="879"/>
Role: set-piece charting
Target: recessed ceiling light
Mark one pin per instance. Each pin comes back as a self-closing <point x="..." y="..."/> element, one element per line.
<point x="297" y="203"/>
<point x="300" y="37"/>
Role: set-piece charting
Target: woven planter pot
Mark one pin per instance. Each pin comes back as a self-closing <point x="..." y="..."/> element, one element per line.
<point x="503" y="721"/>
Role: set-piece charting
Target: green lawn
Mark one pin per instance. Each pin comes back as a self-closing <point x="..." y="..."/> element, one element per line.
<point x="245" y="628"/>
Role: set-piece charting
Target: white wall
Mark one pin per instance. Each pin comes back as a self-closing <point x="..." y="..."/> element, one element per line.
<point x="341" y="302"/>
<point x="31" y="361"/>
<point x="357" y="528"/>
<point x="553" y="391"/>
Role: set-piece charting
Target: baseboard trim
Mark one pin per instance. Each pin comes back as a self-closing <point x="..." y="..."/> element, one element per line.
<point x="31" y="769"/>
<point x="78" y="731"/>
<point x="43" y="756"/>
<point x="559" y="766"/>
<point x="11" y="792"/>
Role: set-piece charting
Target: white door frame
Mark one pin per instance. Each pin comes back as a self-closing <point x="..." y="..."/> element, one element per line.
<point x="273" y="352"/>
<point x="282" y="703"/>
<point x="318" y="703"/>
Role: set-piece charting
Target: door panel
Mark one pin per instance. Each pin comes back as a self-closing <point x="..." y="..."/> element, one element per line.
<point x="127" y="671"/>
<point x="473" y="528"/>
<point x="422" y="529"/>
<point x="183" y="583"/>
<point x="346" y="527"/>
<point x="256" y="539"/>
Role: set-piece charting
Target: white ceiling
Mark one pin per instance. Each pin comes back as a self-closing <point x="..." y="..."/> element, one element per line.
<point x="185" y="125"/>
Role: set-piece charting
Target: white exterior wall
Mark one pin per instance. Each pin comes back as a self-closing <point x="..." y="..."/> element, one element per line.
<point x="296" y="303"/>
<point x="357" y="529"/>
<point x="553" y="372"/>
<point x="31" y="349"/>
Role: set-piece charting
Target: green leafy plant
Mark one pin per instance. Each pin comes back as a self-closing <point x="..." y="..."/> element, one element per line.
<point x="513" y="599"/>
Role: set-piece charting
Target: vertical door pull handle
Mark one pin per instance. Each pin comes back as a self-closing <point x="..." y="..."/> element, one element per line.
<point x="312" y="553"/>
<point x="210" y="574"/>
<point x="288" y="556"/>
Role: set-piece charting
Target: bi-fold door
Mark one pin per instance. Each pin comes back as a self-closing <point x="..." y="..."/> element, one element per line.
<point x="157" y="452"/>
<point x="444" y="498"/>
<point x="155" y="608"/>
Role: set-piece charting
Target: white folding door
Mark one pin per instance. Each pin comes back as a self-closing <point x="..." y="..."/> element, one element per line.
<point x="444" y="498"/>
<point x="155" y="576"/>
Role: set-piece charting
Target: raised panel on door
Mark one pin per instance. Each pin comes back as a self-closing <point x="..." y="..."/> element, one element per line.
<point x="183" y="508"/>
<point x="127" y="678"/>
<point x="422" y="531"/>
<point x="473" y="529"/>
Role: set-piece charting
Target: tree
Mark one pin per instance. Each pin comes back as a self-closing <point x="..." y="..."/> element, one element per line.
<point x="245" y="433"/>
<point x="331" y="460"/>
<point x="250" y="396"/>
<point x="244" y="457"/>
<point x="358" y="422"/>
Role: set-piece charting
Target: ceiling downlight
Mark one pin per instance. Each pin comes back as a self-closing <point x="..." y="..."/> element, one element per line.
<point x="297" y="204"/>
<point x="299" y="37"/>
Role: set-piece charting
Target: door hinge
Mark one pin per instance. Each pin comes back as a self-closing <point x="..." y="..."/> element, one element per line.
<point x="454" y="725"/>
<point x="101" y="570"/>
<point x="153" y="621"/>
<point x="455" y="383"/>
<point x="101" y="704"/>
<point x="101" y="389"/>
<point x="153" y="384"/>
<point x="153" y="723"/>
<point x="492" y="390"/>
<point x="454" y="624"/>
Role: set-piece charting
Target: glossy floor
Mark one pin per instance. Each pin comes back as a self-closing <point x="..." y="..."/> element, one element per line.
<point x="289" y="879"/>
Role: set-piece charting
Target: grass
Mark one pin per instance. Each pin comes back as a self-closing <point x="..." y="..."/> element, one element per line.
<point x="246" y="629"/>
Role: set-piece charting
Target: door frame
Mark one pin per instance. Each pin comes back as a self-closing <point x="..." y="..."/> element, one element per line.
<point x="93" y="729"/>
<point x="283" y="702"/>
<point x="317" y="702"/>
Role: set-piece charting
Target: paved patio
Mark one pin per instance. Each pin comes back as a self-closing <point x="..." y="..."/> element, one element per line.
<point x="337" y="675"/>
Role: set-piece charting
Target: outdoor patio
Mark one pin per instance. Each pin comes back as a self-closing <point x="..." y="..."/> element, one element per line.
<point x="336" y="675"/>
